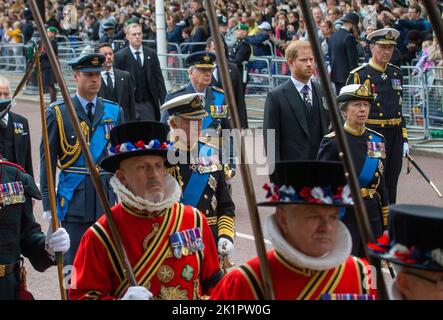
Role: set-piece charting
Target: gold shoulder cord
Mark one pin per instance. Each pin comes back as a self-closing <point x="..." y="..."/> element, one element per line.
<point x="69" y="150"/>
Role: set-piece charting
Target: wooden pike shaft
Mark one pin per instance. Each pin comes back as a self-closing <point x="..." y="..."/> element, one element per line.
<point x="244" y="168"/>
<point x="83" y="144"/>
<point x="54" y="221"/>
<point x="345" y="154"/>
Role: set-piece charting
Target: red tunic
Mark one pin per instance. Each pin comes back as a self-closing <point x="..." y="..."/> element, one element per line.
<point x="291" y="282"/>
<point x="98" y="274"/>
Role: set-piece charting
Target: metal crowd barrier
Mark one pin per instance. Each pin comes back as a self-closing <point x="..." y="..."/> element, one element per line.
<point x="12" y="57"/>
<point x="414" y="103"/>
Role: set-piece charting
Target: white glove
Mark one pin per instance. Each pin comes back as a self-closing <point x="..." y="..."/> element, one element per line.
<point x="405" y="149"/>
<point x="225" y="247"/>
<point x="137" y="293"/>
<point x="58" y="241"/>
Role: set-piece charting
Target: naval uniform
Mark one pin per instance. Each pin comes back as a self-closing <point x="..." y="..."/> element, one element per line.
<point x="368" y="155"/>
<point x="202" y="179"/>
<point x="385" y="115"/>
<point x="218" y="119"/>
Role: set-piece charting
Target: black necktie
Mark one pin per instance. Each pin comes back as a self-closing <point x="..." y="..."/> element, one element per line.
<point x="89" y="107"/>
<point x="139" y="60"/>
<point x="306" y="98"/>
<point x="109" y="81"/>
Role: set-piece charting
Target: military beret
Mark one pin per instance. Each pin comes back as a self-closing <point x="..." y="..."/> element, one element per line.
<point x="52" y="29"/>
<point x="132" y="20"/>
<point x="244" y="27"/>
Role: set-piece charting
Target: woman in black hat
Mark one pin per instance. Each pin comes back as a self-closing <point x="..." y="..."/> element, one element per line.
<point x="368" y="153"/>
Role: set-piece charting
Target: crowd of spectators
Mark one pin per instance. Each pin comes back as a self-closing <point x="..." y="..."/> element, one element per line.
<point x="269" y="24"/>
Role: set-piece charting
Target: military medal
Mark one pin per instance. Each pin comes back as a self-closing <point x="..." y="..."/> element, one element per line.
<point x="384" y="76"/>
<point x="396" y="84"/>
<point x="193" y="238"/>
<point x="184" y="248"/>
<point x="198" y="240"/>
<point x="212" y="182"/>
<point x="18" y="128"/>
<point x="165" y="274"/>
<point x="176" y="247"/>
<point x="214" y="203"/>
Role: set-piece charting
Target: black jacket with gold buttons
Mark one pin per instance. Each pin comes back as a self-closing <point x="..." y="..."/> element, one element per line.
<point x="375" y="193"/>
<point x="204" y="187"/>
<point x="386" y="85"/>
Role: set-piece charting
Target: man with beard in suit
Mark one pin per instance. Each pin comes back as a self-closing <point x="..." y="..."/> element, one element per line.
<point x="15" y="139"/>
<point x="296" y="109"/>
<point x="117" y="85"/>
<point x="143" y="65"/>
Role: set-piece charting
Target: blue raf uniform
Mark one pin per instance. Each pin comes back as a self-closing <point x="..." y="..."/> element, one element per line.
<point x="385" y="115"/>
<point x="215" y="106"/>
<point x="78" y="205"/>
<point x="200" y="173"/>
<point x="368" y="154"/>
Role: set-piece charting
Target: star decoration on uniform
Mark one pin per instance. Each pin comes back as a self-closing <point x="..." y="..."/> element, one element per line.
<point x="384" y="76"/>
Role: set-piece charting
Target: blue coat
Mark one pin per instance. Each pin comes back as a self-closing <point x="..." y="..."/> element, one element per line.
<point x="85" y="205"/>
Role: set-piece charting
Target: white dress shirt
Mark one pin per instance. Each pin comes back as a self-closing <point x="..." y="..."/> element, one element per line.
<point x="105" y="76"/>
<point x="141" y="53"/>
<point x="299" y="86"/>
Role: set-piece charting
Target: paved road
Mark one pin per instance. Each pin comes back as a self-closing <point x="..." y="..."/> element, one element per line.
<point x="412" y="189"/>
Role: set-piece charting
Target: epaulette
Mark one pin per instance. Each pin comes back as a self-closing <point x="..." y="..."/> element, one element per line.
<point x="176" y="89"/>
<point x="13" y="165"/>
<point x="394" y="66"/>
<point x="375" y="132"/>
<point x="217" y="89"/>
<point x="109" y="101"/>
<point x="358" y="68"/>
<point x="56" y="103"/>
<point x="330" y="135"/>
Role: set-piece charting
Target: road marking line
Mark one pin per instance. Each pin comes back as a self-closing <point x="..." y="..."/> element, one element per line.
<point x="249" y="237"/>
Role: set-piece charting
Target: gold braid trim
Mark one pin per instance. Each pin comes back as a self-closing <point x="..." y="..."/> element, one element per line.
<point x="226" y="226"/>
<point x="175" y="173"/>
<point x="69" y="150"/>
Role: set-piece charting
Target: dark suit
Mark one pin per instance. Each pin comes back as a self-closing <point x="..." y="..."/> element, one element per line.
<point x="286" y="113"/>
<point x="343" y="56"/>
<point x="152" y="94"/>
<point x="15" y="142"/>
<point x="122" y="93"/>
<point x="84" y="207"/>
<point x="235" y="76"/>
